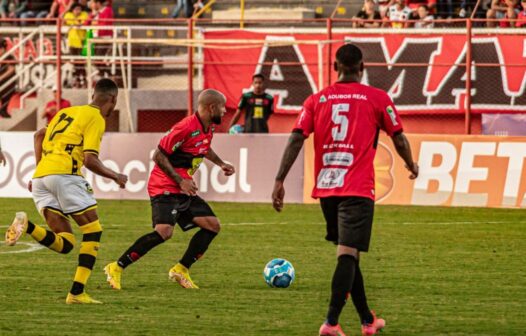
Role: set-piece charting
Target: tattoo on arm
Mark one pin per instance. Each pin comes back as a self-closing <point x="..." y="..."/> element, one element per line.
<point x="162" y="161"/>
<point x="292" y="150"/>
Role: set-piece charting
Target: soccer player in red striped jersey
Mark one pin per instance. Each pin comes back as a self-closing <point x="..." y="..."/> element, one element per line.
<point x="346" y="119"/>
<point x="173" y="193"/>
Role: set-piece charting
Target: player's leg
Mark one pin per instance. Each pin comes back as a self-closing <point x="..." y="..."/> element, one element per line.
<point x="75" y="197"/>
<point x="329" y="206"/>
<point x="163" y="221"/>
<point x="355" y="226"/>
<point x="198" y="214"/>
<point x="60" y="238"/>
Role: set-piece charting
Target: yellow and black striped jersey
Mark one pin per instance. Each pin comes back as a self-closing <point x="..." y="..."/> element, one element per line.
<point x="73" y="131"/>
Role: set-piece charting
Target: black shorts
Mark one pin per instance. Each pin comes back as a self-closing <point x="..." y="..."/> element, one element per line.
<point x="349" y="220"/>
<point x="180" y="209"/>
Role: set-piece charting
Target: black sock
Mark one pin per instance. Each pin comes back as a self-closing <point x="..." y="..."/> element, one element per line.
<point x="197" y="247"/>
<point x="341" y="285"/>
<point x="140" y="248"/>
<point x="359" y="299"/>
<point x="30" y="227"/>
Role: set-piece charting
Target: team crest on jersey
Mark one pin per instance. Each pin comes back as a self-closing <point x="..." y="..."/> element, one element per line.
<point x="195" y="133"/>
<point x="323" y="99"/>
<point x="392" y="115"/>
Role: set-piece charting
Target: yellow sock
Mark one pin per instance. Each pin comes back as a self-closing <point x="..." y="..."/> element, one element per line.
<point x="87" y="255"/>
<point x="62" y="242"/>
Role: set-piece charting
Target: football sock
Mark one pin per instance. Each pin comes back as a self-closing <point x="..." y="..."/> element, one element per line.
<point x="140" y="248"/>
<point x="89" y="248"/>
<point x="359" y="299"/>
<point x="62" y="242"/>
<point x="341" y="285"/>
<point x="197" y="247"/>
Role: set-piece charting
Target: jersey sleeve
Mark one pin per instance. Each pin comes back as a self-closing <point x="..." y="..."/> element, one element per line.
<point x="93" y="134"/>
<point x="174" y="139"/>
<point x="389" y="119"/>
<point x="242" y="102"/>
<point x="305" y="121"/>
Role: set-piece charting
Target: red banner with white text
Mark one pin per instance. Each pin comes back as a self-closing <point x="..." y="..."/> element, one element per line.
<point x="423" y="73"/>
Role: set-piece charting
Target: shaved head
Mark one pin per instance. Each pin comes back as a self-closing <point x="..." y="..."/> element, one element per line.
<point x="211" y="103"/>
<point x="209" y="97"/>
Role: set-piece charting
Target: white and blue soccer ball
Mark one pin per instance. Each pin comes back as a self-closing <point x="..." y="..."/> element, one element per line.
<point x="236" y="129"/>
<point x="279" y="273"/>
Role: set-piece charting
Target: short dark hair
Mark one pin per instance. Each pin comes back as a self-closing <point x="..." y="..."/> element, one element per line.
<point x="106" y="86"/>
<point x="258" y="75"/>
<point x="3" y="44"/>
<point x="349" y="56"/>
<point x="76" y="4"/>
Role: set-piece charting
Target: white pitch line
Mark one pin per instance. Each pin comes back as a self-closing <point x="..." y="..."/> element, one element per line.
<point x="31" y="248"/>
<point x="386" y="223"/>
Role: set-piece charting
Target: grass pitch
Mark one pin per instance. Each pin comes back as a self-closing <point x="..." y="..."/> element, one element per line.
<point x="430" y="271"/>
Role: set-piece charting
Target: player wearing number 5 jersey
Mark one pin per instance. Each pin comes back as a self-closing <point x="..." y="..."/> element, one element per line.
<point x="346" y="119"/>
<point x="173" y="193"/>
<point x="71" y="140"/>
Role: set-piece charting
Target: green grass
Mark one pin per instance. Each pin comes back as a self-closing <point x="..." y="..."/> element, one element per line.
<point x="430" y="271"/>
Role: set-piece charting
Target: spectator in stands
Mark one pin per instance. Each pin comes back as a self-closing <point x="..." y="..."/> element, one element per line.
<point x="521" y="17"/>
<point x="59" y="8"/>
<point x="76" y="18"/>
<point x="257" y="105"/>
<point x="445" y="8"/>
<point x="35" y="9"/>
<point x="101" y="15"/>
<point x="398" y="15"/>
<point x="415" y="4"/>
<point x="185" y="5"/>
<point x="7" y="72"/>
<point x="51" y="107"/>
<point x="12" y="9"/>
<point x="366" y="15"/>
<point x="502" y="10"/>
<point x="425" y="20"/>
<point x="76" y="36"/>
<point x="383" y="6"/>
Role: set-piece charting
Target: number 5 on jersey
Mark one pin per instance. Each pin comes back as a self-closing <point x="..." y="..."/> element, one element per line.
<point x="341" y="121"/>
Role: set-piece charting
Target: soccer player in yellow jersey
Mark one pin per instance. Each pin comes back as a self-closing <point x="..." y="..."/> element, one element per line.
<point x="72" y="139"/>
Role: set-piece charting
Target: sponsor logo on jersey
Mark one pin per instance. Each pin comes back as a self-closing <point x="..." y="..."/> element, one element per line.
<point x="177" y="145"/>
<point x="195" y="133"/>
<point x="323" y="99"/>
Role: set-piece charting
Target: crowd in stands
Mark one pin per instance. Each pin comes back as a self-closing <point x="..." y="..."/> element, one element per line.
<point x="422" y="13"/>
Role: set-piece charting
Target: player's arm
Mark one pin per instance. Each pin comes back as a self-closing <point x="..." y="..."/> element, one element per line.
<point x="93" y="163"/>
<point x="38" y="139"/>
<point x="235" y="118"/>
<point x="187" y="185"/>
<point x="227" y="168"/>
<point x="404" y="150"/>
<point x="290" y="155"/>
<point x="240" y="107"/>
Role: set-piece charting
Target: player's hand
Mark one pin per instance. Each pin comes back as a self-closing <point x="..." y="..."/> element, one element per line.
<point x="121" y="180"/>
<point x="30" y="185"/>
<point x="228" y="169"/>
<point x="278" y="194"/>
<point x="188" y="187"/>
<point x="414" y="170"/>
<point x="2" y="159"/>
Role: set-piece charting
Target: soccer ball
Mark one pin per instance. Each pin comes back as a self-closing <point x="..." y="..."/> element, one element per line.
<point x="236" y="129"/>
<point x="279" y="273"/>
